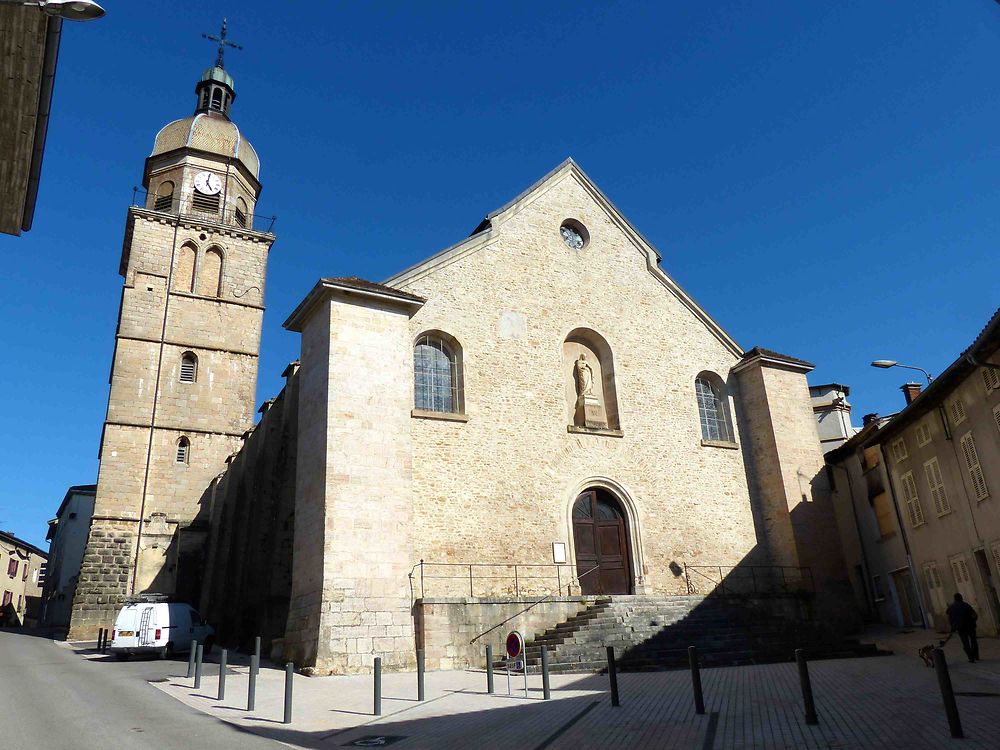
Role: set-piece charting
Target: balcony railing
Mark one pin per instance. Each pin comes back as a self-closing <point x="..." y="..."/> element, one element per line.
<point x="482" y="580"/>
<point x="230" y="215"/>
<point x="748" y="580"/>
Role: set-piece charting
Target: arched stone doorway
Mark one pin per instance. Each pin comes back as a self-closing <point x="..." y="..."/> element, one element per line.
<point x="601" y="540"/>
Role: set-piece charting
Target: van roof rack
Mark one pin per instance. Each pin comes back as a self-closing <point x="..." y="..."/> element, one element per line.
<point x="147" y="598"/>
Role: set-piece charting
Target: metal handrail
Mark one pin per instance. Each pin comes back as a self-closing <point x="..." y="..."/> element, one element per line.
<point x="517" y="575"/>
<point x="803" y="581"/>
<point x="226" y="216"/>
<point x="531" y="606"/>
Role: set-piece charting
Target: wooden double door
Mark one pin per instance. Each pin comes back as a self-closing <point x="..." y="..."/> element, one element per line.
<point x="600" y="536"/>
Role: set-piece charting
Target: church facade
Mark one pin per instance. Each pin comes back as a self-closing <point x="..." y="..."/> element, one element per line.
<point x="537" y="410"/>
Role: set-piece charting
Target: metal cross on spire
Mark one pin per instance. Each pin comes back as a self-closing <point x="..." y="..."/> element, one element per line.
<point x="223" y="43"/>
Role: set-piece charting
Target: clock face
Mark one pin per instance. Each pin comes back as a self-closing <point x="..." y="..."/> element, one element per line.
<point x="207" y="183"/>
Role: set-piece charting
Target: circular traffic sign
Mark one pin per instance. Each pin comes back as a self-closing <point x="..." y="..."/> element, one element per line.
<point x="514" y="644"/>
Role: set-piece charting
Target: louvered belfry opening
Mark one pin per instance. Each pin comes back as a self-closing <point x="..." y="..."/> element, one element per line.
<point x="189" y="368"/>
<point x="205" y="203"/>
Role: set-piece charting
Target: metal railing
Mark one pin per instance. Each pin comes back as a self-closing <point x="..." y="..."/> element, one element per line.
<point x="530" y="606"/>
<point x="489" y="579"/>
<point x="746" y="580"/>
<point x="231" y="215"/>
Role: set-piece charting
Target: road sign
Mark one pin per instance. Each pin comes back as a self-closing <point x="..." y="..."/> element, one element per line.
<point x="514" y="644"/>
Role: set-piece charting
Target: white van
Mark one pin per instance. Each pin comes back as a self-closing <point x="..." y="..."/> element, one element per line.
<point x="158" y="627"/>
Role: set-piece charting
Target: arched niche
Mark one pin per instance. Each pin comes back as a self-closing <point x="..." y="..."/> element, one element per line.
<point x="589" y="381"/>
<point x="183" y="279"/>
<point x="210" y="274"/>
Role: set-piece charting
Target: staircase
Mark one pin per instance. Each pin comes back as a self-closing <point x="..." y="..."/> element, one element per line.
<point x="651" y="633"/>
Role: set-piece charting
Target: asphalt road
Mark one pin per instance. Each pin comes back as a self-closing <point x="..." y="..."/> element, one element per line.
<point x="53" y="699"/>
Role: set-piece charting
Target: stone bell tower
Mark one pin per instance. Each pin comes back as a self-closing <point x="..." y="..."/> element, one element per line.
<point x="184" y="373"/>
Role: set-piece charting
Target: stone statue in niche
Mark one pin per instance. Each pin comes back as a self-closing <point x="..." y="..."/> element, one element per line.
<point x="589" y="412"/>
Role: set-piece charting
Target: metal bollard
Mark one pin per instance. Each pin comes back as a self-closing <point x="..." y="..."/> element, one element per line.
<point x="699" y="698"/>
<point x="222" y="673"/>
<point x="100" y="638"/>
<point x="194" y="647"/>
<point x="489" y="670"/>
<point x="807" y="691"/>
<point x="546" y="692"/>
<point x="252" y="687"/>
<point x="104" y="640"/>
<point x="289" y="672"/>
<point x="378" y="685"/>
<point x="947" y="694"/>
<point x="613" y="675"/>
<point x="197" y="666"/>
<point x="420" y="674"/>
<point x="256" y="649"/>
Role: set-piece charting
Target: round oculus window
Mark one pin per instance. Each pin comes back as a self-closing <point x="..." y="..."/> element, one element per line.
<point x="574" y="234"/>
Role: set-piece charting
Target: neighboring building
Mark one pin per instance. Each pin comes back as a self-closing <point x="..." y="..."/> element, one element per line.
<point x="833" y="414"/>
<point x="22" y="575"/>
<point x="540" y="394"/>
<point x="27" y="74"/>
<point x="943" y="456"/>
<point x="184" y="373"/>
<point x="875" y="542"/>
<point x="67" y="538"/>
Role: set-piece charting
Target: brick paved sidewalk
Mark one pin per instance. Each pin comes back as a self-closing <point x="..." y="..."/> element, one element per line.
<point x="883" y="702"/>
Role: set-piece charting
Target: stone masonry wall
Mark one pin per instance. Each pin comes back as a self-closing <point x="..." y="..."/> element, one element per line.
<point x="499" y="487"/>
<point x="140" y="482"/>
<point x="446" y="627"/>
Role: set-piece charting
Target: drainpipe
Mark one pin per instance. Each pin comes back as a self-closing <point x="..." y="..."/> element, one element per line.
<point x="52" y="36"/>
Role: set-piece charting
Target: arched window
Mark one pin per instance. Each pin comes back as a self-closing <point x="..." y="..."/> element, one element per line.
<point x="183" y="450"/>
<point x="184" y="269"/>
<point x="437" y="367"/>
<point x="210" y="276"/>
<point x="189" y="368"/>
<point x="713" y="408"/>
<point x="164" y="198"/>
<point x="217" y="99"/>
<point x="241" y="212"/>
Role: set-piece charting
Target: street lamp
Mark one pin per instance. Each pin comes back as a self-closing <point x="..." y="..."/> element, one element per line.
<point x="71" y="10"/>
<point x="885" y="364"/>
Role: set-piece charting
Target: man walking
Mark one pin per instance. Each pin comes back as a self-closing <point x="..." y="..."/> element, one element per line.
<point x="963" y="618"/>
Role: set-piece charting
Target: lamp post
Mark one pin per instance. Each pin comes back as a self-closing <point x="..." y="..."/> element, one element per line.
<point x="70" y="10"/>
<point x="885" y="364"/>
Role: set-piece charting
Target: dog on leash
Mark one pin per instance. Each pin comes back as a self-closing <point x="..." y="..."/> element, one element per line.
<point x="926" y="653"/>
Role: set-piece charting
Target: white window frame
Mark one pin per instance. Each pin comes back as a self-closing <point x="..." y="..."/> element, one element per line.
<point x="914" y="511"/>
<point x="878" y="593"/>
<point x="932" y="579"/>
<point x="923" y="433"/>
<point x="935" y="482"/>
<point x="962" y="574"/>
<point x="898" y="447"/>
<point x="956" y="410"/>
<point x="991" y="378"/>
<point x="974" y="467"/>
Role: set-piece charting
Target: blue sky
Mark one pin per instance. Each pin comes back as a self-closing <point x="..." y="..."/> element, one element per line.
<point x="821" y="177"/>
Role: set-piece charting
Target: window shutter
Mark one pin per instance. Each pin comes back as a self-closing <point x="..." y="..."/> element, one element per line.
<point x="957" y="411"/>
<point x="975" y="469"/>
<point x="996" y="415"/>
<point x="923" y="434"/>
<point x="899" y="450"/>
<point x="996" y="555"/>
<point x="932" y="470"/>
<point x="913" y="508"/>
<point x="991" y="377"/>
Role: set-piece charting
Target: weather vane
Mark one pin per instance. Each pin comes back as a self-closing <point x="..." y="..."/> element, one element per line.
<point x="223" y="43"/>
